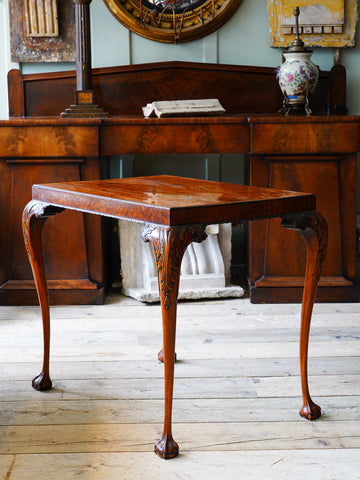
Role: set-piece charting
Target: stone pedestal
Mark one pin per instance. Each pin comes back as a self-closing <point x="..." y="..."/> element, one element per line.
<point x="205" y="269"/>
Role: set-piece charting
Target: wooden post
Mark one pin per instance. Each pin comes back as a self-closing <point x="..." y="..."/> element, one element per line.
<point x="84" y="95"/>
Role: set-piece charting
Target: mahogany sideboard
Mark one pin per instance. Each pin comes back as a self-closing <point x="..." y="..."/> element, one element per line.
<point x="311" y="154"/>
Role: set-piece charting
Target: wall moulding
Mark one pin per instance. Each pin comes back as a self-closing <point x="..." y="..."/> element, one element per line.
<point x="323" y="23"/>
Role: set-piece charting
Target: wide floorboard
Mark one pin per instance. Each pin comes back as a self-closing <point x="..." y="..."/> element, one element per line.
<point x="236" y="400"/>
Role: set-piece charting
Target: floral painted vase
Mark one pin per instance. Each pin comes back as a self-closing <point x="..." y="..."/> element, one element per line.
<point x="298" y="77"/>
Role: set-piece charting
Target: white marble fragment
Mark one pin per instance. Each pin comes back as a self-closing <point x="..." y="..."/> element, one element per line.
<point x="205" y="269"/>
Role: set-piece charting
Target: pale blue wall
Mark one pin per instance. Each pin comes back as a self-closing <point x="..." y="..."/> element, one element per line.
<point x="5" y="62"/>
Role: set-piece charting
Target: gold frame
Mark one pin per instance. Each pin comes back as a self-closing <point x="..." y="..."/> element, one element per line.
<point x="164" y="24"/>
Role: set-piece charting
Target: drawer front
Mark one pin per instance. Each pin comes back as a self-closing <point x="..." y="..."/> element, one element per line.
<point x="49" y="141"/>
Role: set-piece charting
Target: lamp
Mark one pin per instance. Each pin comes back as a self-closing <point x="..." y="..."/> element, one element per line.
<point x="298" y="75"/>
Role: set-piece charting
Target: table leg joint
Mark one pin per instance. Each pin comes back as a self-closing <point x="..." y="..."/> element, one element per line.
<point x="169" y="245"/>
<point x="310" y="223"/>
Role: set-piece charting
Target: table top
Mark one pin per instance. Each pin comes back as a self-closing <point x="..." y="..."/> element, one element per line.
<point x="170" y="200"/>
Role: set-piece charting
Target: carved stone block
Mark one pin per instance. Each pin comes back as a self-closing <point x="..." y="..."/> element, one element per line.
<point x="205" y="269"/>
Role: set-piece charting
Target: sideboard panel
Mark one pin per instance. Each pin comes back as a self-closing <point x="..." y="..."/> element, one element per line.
<point x="74" y="262"/>
<point x="22" y="174"/>
<point x="276" y="267"/>
<point x="48" y="141"/>
<point x="308" y="136"/>
<point x="123" y="90"/>
<point x="185" y="136"/>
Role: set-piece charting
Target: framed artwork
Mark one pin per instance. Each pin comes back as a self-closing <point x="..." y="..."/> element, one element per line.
<point x="42" y="30"/>
<point x="324" y="23"/>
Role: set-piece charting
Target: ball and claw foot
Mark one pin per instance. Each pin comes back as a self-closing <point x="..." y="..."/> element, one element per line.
<point x="42" y="382"/>
<point x="166" y="448"/>
<point x="310" y="411"/>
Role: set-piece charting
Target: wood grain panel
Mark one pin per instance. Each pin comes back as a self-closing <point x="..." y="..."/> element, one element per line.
<point x="271" y="278"/>
<point x="74" y="263"/>
<point x="48" y="141"/>
<point x="175" y="137"/>
<point x="305" y="137"/>
<point x="170" y="200"/>
<point x="125" y="89"/>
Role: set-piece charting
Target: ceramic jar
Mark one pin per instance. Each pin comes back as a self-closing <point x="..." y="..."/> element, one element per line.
<point x="298" y="77"/>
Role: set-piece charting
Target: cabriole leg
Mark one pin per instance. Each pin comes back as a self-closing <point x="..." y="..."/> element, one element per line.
<point x="313" y="228"/>
<point x="169" y="245"/>
<point x="34" y="216"/>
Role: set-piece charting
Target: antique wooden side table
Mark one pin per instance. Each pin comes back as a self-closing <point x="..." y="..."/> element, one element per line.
<point x="176" y="211"/>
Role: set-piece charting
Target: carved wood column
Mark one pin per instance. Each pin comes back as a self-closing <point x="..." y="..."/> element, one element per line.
<point x="84" y="95"/>
<point x="83" y="45"/>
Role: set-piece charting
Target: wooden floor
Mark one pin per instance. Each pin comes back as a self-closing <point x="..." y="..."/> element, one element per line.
<point x="237" y="393"/>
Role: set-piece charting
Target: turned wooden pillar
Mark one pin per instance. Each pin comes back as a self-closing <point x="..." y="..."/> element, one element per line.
<point x="84" y="95"/>
<point x="83" y="45"/>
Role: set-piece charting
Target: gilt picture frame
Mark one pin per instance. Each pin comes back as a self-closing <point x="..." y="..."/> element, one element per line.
<point x="172" y="21"/>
